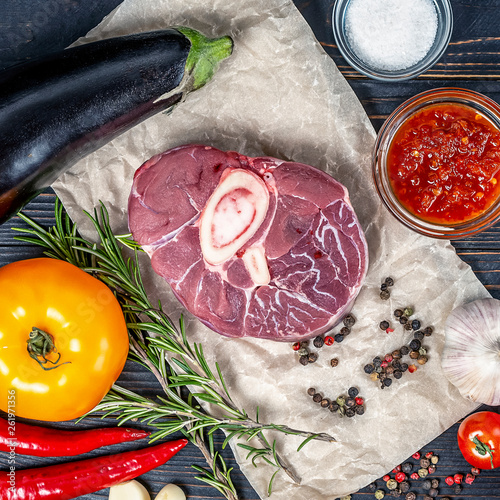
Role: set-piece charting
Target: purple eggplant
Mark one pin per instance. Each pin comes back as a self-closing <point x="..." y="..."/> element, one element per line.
<point x="58" y="109"/>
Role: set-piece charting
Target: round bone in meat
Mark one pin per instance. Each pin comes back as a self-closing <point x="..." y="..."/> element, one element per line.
<point x="254" y="247"/>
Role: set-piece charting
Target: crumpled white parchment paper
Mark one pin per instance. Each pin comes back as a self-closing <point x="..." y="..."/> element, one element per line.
<point x="280" y="94"/>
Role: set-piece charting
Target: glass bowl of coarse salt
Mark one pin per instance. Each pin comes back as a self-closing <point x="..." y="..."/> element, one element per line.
<point x="392" y="40"/>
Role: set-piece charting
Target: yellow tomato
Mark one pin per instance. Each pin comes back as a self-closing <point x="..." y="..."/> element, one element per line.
<point x="82" y="319"/>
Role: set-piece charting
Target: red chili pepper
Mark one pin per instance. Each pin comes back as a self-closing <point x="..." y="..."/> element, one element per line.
<point x="73" y="479"/>
<point x="43" y="442"/>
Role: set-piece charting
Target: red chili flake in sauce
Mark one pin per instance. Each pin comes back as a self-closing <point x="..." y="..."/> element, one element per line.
<point x="444" y="163"/>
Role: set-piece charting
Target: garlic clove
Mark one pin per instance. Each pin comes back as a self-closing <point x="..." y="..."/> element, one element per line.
<point x="130" y="490"/>
<point x="471" y="355"/>
<point x="171" y="492"/>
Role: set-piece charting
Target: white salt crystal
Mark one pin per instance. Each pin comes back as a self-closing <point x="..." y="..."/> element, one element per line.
<point x="391" y="35"/>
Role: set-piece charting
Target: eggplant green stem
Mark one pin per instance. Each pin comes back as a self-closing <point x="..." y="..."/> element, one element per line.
<point x="205" y="55"/>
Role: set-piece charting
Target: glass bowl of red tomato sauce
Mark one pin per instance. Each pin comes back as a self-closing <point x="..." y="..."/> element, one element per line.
<point x="436" y="163"/>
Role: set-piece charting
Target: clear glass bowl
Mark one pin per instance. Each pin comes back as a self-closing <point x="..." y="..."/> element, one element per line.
<point x="474" y="100"/>
<point x="443" y="34"/>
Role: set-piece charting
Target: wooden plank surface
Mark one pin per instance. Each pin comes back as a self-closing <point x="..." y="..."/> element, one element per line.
<point x="32" y="27"/>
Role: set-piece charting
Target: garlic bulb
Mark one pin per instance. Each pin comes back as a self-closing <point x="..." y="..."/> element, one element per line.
<point x="471" y="355"/>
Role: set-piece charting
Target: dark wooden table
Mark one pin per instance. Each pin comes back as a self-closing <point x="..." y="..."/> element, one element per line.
<point x="32" y="27"/>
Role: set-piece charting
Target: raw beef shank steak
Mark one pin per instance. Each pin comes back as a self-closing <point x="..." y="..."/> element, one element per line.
<point x="254" y="247"/>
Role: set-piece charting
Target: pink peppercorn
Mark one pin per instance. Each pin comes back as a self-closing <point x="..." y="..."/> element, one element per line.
<point x="397" y="468"/>
<point x="359" y="401"/>
<point x="296" y="346"/>
<point x="329" y="340"/>
<point x="429" y="454"/>
<point x="400" y="477"/>
<point x="458" y="478"/>
<point x="475" y="471"/>
<point x="412" y="368"/>
<point x="449" y="481"/>
<point x="416" y="455"/>
<point x="469" y="478"/>
<point x="414" y="475"/>
<point x="386" y="478"/>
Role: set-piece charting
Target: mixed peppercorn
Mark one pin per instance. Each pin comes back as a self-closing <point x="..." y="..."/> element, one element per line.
<point x="391" y="366"/>
<point x="398" y="483"/>
<point x="344" y="405"/>
<point x="307" y="356"/>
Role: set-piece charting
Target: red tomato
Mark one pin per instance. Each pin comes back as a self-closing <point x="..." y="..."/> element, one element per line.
<point x="479" y="439"/>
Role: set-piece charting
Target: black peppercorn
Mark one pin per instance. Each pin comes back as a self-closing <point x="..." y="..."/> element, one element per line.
<point x="404" y="367"/>
<point x="389" y="281"/>
<point x="415" y="345"/>
<point x="404" y="486"/>
<point x="398" y="313"/>
<point x="345" y="331"/>
<point x="349" y="320"/>
<point x="403" y="320"/>
<point x="415" y="324"/>
<point x="408" y="327"/>
<point x="372" y="487"/>
<point x="404" y="350"/>
<point x="433" y="492"/>
<point x="353" y="392"/>
<point x="369" y="368"/>
<point x="350" y="402"/>
<point x="317" y="398"/>
<point x="359" y="409"/>
<point x="428" y="331"/>
<point x="397" y="374"/>
<point x="426" y="485"/>
<point x="324" y="403"/>
<point x="424" y="463"/>
<point x="318" y="342"/>
<point x="457" y="489"/>
<point x="349" y="412"/>
<point x="387" y="382"/>
<point x="435" y="483"/>
<point x="407" y="467"/>
<point x="384" y="286"/>
<point x="339" y="337"/>
<point x="414" y="354"/>
<point x="304" y="359"/>
<point x="385" y="294"/>
<point x="311" y="391"/>
<point x="334" y="362"/>
<point x="333" y="406"/>
<point x="411" y="496"/>
<point x="395" y="493"/>
<point x="384" y="325"/>
<point x="396" y="354"/>
<point x="313" y="357"/>
<point x="419" y="335"/>
<point x="377" y="361"/>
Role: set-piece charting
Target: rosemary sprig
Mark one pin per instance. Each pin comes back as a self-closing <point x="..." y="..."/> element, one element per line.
<point x="164" y="350"/>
